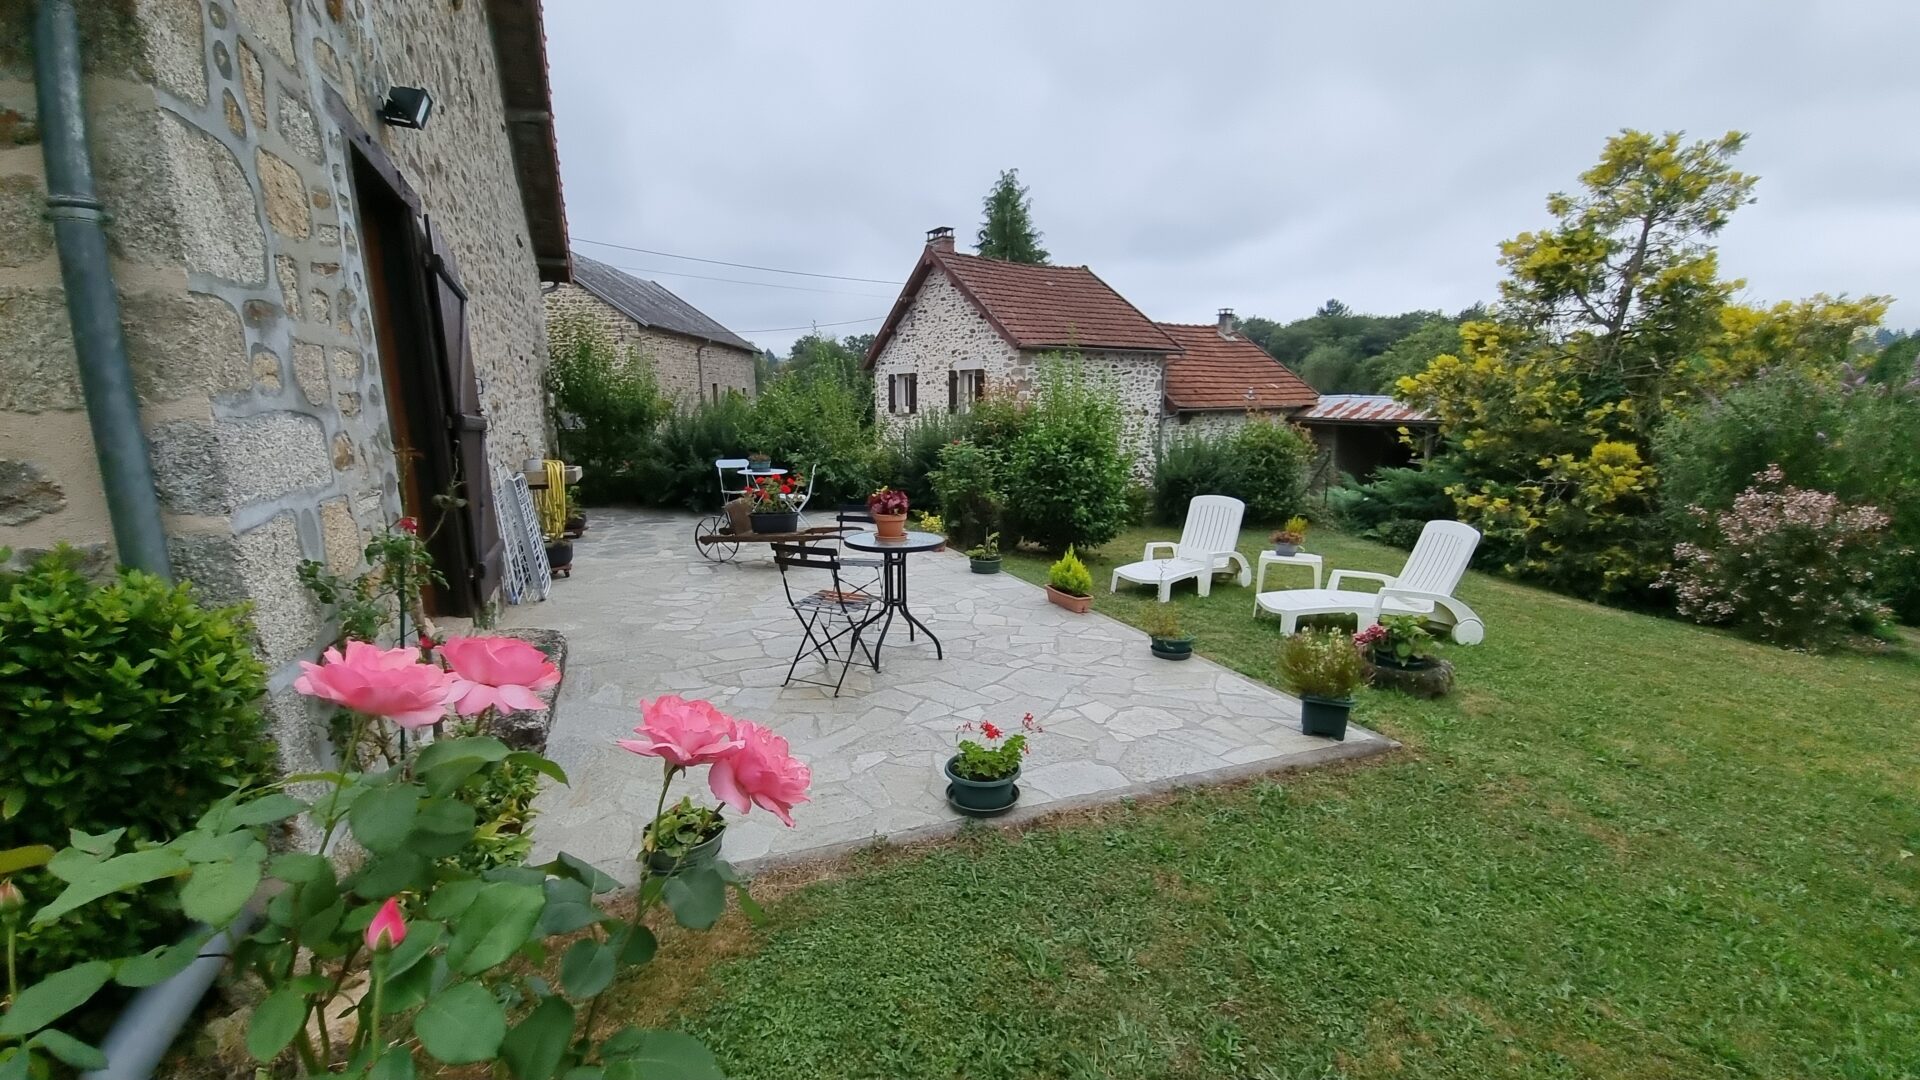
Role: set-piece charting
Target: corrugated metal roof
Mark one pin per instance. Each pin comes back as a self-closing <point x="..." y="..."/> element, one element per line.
<point x="1363" y="409"/>
<point x="649" y="303"/>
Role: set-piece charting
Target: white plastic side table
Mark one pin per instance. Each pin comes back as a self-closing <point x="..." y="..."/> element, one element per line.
<point x="1270" y="557"/>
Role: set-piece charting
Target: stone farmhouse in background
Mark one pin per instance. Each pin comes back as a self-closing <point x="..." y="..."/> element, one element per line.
<point x="693" y="356"/>
<point x="964" y="325"/>
<point x="330" y="319"/>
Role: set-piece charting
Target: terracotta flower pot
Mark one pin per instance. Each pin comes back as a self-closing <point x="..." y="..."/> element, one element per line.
<point x="1076" y="604"/>
<point x="890" y="526"/>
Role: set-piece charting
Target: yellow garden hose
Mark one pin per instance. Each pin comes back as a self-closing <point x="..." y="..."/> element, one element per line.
<point x="550" y="502"/>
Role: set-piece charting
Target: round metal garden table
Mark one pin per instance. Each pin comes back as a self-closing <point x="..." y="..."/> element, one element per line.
<point x="893" y="584"/>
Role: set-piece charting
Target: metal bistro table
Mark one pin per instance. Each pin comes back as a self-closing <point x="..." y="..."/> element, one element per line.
<point x="893" y="583"/>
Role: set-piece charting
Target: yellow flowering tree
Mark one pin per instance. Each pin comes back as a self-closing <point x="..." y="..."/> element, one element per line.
<point x="1608" y="321"/>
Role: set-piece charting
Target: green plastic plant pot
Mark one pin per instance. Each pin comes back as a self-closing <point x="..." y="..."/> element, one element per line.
<point x="777" y="521"/>
<point x="1326" y="717"/>
<point x="981" y="796"/>
<point x="701" y="854"/>
<point x="985" y="566"/>
<point x="1177" y="648"/>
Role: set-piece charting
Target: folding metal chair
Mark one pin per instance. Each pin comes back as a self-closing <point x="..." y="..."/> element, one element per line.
<point x="830" y="619"/>
<point x="721" y="466"/>
<point x="853" y="517"/>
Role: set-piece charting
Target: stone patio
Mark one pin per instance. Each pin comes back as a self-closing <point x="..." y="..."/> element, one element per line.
<point x="644" y="615"/>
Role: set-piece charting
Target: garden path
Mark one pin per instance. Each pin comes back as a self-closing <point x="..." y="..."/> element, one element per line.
<point x="644" y="615"/>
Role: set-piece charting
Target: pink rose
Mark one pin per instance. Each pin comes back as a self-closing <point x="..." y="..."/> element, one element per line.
<point x="683" y="733"/>
<point x="388" y="929"/>
<point x="760" y="773"/>
<point x="379" y="682"/>
<point x="497" y="671"/>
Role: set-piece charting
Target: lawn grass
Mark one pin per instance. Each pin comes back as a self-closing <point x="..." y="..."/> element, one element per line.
<point x="1625" y="847"/>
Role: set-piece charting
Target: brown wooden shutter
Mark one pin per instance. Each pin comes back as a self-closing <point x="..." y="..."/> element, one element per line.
<point x="893" y="393"/>
<point x="913" y="393"/>
<point x="953" y="391"/>
<point x="467" y="429"/>
<point x="979" y="385"/>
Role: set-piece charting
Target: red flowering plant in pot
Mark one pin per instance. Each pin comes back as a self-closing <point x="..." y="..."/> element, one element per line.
<point x="889" y="510"/>
<point x="447" y="955"/>
<point x="770" y="503"/>
<point x="982" y="771"/>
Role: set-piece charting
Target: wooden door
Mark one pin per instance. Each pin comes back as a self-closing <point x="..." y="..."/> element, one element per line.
<point x="478" y="520"/>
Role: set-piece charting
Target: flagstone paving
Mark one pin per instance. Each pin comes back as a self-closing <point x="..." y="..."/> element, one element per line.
<point x="644" y="615"/>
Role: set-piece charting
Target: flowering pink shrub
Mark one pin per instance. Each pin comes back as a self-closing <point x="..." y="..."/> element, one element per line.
<point x="1787" y="565"/>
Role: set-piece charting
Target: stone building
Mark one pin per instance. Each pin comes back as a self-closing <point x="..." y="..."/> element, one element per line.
<point x="692" y="356"/>
<point x="964" y="325"/>
<point x="329" y="319"/>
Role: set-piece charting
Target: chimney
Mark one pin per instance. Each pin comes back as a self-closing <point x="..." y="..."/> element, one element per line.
<point x="940" y="239"/>
<point x="1227" y="323"/>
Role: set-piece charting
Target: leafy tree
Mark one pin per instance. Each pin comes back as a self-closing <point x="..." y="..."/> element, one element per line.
<point x="1333" y="349"/>
<point x="1898" y="360"/>
<point x="1007" y="231"/>
<point x="1608" y="321"/>
<point x="1411" y="354"/>
<point x="607" y="401"/>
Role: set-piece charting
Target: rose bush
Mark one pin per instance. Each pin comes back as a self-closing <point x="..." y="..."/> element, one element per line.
<point x="452" y="958"/>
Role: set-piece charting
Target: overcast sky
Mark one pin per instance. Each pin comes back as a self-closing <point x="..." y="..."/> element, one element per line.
<point x="1262" y="156"/>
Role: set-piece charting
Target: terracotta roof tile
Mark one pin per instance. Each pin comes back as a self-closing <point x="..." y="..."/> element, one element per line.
<point x="1038" y="307"/>
<point x="1214" y="372"/>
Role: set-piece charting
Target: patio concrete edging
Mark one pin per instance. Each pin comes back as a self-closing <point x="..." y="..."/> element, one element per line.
<point x="1373" y="744"/>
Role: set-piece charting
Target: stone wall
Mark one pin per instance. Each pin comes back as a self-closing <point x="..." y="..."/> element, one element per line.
<point x="942" y="329"/>
<point x="236" y="250"/>
<point x="686" y="367"/>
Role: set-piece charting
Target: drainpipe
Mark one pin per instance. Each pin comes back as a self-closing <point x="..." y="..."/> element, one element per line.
<point x="146" y="1028"/>
<point x="93" y="303"/>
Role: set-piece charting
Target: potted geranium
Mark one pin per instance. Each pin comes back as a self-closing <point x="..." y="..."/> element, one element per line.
<point x="1323" y="668"/>
<point x="684" y="837"/>
<point x="1399" y="651"/>
<point x="1069" y="585"/>
<point x="982" y="771"/>
<point x="889" y="510"/>
<point x="1287" y="540"/>
<point x="1168" y="640"/>
<point x="985" y="557"/>
<point x="768" y="506"/>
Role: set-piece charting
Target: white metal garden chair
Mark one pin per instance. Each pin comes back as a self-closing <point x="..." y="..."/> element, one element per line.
<point x="1208" y="544"/>
<point x="1423" y="587"/>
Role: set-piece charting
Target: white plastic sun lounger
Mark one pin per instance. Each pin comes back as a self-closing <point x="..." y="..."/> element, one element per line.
<point x="1424" y="587"/>
<point x="1208" y="544"/>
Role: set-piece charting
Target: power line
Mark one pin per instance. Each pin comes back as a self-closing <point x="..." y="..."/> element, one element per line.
<point x="742" y="281"/>
<point x="809" y="326"/>
<point x="740" y="266"/>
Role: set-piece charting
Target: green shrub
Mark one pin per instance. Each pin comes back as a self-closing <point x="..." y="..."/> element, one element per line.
<point x="678" y="468"/>
<point x="1191" y="465"/>
<point x="1263" y="463"/>
<point x="1070" y="575"/>
<point x="1855" y="442"/>
<point x="1274" y="457"/>
<point x="607" y="403"/>
<point x="911" y="455"/>
<point x="970" y="491"/>
<point x="126" y="704"/>
<point x="815" y="419"/>
<point x="1067" y="475"/>
<point x="1396" y="504"/>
